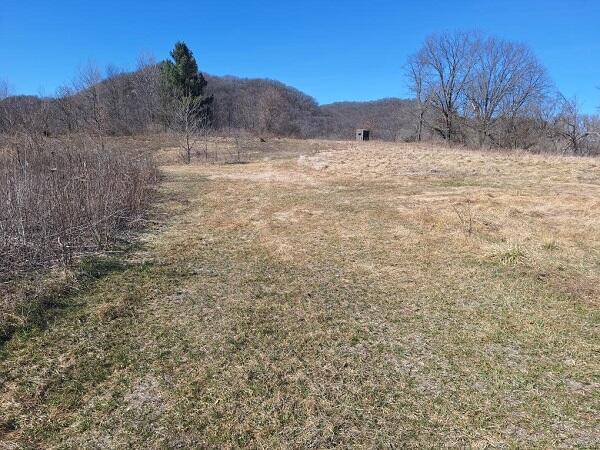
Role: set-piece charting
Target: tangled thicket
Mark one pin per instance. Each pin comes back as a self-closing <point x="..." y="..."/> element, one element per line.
<point x="63" y="197"/>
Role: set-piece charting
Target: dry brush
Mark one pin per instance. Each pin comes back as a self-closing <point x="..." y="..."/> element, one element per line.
<point x="63" y="197"/>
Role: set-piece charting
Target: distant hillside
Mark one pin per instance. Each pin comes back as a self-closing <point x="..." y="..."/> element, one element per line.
<point x="269" y="106"/>
<point x="260" y="106"/>
<point x="388" y="119"/>
<point x="264" y="106"/>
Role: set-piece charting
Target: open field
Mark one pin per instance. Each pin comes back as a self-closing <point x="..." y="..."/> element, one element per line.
<point x="332" y="295"/>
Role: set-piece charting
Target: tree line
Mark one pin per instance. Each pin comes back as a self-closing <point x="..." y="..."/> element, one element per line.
<point x="467" y="88"/>
<point x="490" y="92"/>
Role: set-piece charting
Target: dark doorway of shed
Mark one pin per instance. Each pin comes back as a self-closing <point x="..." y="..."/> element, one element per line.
<point x="363" y="135"/>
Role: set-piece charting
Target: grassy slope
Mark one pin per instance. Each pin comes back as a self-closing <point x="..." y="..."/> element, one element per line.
<point x="371" y="297"/>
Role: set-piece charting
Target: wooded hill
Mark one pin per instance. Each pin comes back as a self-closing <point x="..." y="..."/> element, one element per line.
<point x="129" y="103"/>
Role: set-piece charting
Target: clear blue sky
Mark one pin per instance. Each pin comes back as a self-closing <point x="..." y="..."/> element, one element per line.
<point x="332" y="50"/>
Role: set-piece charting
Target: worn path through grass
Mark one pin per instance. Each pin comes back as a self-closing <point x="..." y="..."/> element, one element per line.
<point x="378" y="297"/>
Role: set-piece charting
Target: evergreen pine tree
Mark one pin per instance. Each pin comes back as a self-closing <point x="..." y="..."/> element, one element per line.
<point x="181" y="78"/>
<point x="182" y="73"/>
<point x="188" y="110"/>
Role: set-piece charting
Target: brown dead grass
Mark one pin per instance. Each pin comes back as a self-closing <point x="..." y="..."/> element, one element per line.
<point x="376" y="295"/>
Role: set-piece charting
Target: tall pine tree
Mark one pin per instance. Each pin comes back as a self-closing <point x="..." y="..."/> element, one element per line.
<point x="181" y="78"/>
<point x="182" y="73"/>
<point x="188" y="110"/>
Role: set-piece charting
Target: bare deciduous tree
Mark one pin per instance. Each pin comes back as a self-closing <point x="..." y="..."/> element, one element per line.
<point x="441" y="71"/>
<point x="66" y="108"/>
<point x="4" y="93"/>
<point x="416" y="76"/>
<point x="576" y="128"/>
<point x="505" y="77"/>
<point x="93" y="110"/>
<point x="4" y="89"/>
<point x="147" y="90"/>
<point x="191" y="120"/>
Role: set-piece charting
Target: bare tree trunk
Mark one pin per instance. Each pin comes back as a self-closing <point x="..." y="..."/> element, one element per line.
<point x="420" y="125"/>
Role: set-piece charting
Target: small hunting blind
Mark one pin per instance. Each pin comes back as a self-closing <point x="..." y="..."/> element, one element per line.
<point x="362" y="134"/>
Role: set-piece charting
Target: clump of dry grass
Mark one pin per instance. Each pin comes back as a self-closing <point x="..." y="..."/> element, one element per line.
<point x="512" y="255"/>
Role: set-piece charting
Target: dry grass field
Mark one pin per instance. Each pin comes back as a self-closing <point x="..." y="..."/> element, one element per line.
<point x="332" y="294"/>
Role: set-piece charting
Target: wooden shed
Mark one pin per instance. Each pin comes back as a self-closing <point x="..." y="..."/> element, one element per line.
<point x="362" y="134"/>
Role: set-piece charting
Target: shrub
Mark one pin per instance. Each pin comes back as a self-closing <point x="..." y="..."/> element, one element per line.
<point x="64" y="197"/>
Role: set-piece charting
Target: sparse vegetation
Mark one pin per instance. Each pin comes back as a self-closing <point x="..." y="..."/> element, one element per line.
<point x="326" y="296"/>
